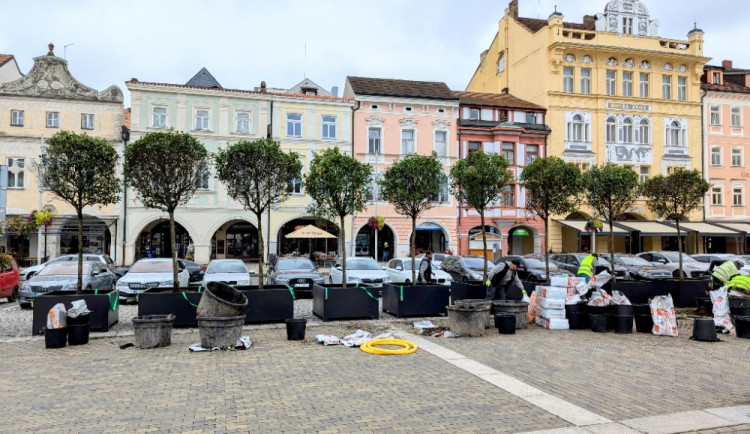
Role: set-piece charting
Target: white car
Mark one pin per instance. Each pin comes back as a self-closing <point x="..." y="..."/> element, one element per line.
<point x="360" y="270"/>
<point x="437" y="259"/>
<point x="399" y="270"/>
<point x="148" y="273"/>
<point x="27" y="272"/>
<point x="230" y="271"/>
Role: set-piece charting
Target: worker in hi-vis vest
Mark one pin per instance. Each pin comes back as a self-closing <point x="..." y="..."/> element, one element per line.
<point x="587" y="267"/>
<point x="728" y="275"/>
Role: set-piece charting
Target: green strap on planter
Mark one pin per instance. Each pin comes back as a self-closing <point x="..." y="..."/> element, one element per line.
<point x="113" y="304"/>
<point x="96" y="291"/>
<point x="200" y="288"/>
<point x="188" y="300"/>
<point x="291" y="291"/>
<point x="326" y="293"/>
<point x="401" y="298"/>
<point x="367" y="292"/>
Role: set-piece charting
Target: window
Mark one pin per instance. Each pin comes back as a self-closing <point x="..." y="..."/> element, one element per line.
<point x="666" y="87"/>
<point x="715" y="115"/>
<point x="295" y="187"/>
<point x="243" y="122"/>
<point x="644" y="85"/>
<point x="202" y="120"/>
<point x="474" y="114"/>
<point x="611" y="83"/>
<point x="16" y="171"/>
<point x="508" y="197"/>
<point x="530" y="118"/>
<point x="501" y="64"/>
<point x="407" y="141"/>
<point x="585" y="81"/>
<point x="717" y="195"/>
<point x="716" y="156"/>
<point x="581" y="165"/>
<point x="474" y="146"/>
<point x="674" y="169"/>
<point x="159" y="117"/>
<point x="201" y="183"/>
<point x="568" y="79"/>
<point x="736" y="117"/>
<point x="681" y="88"/>
<point x="738" y="193"/>
<point x="675" y="134"/>
<point x="716" y="78"/>
<point x="294" y="125"/>
<point x="87" y="121"/>
<point x="532" y="153"/>
<point x="373" y="138"/>
<point x="444" y="195"/>
<point x="644" y="132"/>
<point x="627" y="83"/>
<point x="509" y="152"/>
<point x="736" y="157"/>
<point x="53" y="119"/>
<point x="645" y="174"/>
<point x="16" y="118"/>
<point x="611" y="130"/>
<point x="578" y="130"/>
<point x="627" y="26"/>
<point x="626" y="133"/>
<point x="329" y="127"/>
<point x="441" y="143"/>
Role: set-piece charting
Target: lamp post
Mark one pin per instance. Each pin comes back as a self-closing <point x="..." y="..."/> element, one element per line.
<point x="377" y="191"/>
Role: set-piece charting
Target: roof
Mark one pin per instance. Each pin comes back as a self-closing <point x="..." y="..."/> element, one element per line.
<point x="495" y="100"/>
<point x="203" y="79"/>
<point x="708" y="230"/>
<point x="648" y="229"/>
<point x="726" y="87"/>
<point x="580" y="225"/>
<point x="474" y="123"/>
<point x="241" y="91"/>
<point x="400" y="88"/>
<point x="4" y="58"/>
<point x="534" y="25"/>
<point x="737" y="226"/>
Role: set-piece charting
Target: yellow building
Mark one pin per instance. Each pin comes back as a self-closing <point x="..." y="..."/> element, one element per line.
<point x="615" y="92"/>
<point x="33" y="108"/>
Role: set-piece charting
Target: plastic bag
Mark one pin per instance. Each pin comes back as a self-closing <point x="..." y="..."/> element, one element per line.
<point x="600" y="279"/>
<point x="574" y="299"/>
<point x="620" y="298"/>
<point x="78" y="308"/>
<point x="534" y="307"/>
<point x="327" y="339"/>
<point x="721" y="310"/>
<point x="600" y="298"/>
<point x="56" y="317"/>
<point x="356" y="339"/>
<point x="662" y="313"/>
<point x="525" y="296"/>
<point x="421" y="326"/>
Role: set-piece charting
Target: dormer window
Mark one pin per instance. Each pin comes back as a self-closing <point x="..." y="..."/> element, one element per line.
<point x="309" y="91"/>
<point x="474" y="114"/>
<point x="627" y="26"/>
<point x="716" y="77"/>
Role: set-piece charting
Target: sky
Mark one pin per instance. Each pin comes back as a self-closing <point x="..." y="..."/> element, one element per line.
<point x="283" y="41"/>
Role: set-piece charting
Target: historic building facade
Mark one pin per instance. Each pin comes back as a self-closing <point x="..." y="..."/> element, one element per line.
<point x="33" y="107"/>
<point x="394" y="118"/>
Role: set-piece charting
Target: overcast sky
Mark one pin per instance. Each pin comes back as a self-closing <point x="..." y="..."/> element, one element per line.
<point x="245" y="42"/>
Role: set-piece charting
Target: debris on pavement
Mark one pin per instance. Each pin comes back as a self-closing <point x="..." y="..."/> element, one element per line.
<point x="421" y="326"/>
<point x="243" y="343"/>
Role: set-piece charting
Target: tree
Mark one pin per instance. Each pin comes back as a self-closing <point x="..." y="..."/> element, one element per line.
<point x="675" y="196"/>
<point x="82" y="171"/>
<point x="552" y="188"/>
<point x="611" y="190"/>
<point x="258" y="174"/>
<point x="478" y="181"/>
<point x="412" y="185"/>
<point x="339" y="185"/>
<point x="165" y="168"/>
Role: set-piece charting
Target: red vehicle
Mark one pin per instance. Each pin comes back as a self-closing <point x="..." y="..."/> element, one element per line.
<point x="9" y="281"/>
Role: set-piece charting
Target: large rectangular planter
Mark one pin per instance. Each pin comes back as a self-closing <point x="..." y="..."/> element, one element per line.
<point x="418" y="300"/>
<point x="162" y="301"/>
<point x="273" y="303"/>
<point x="685" y="291"/>
<point x="352" y="302"/>
<point x="639" y="291"/>
<point x="103" y="305"/>
<point x="461" y="291"/>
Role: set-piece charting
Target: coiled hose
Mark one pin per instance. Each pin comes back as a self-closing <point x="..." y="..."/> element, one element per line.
<point x="371" y="347"/>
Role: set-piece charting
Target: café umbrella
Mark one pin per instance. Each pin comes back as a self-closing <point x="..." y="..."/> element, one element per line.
<point x="310" y="232"/>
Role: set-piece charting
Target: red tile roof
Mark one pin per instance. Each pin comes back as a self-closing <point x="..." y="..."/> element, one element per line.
<point x="5" y="58"/>
<point x="495" y="100"/>
<point x="253" y="92"/>
<point x="534" y="25"/>
<point x="400" y="88"/>
<point x="726" y="87"/>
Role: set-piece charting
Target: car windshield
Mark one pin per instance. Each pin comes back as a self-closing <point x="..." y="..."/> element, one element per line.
<point x="634" y="260"/>
<point x="606" y="258"/>
<point x="675" y="257"/>
<point x="406" y="262"/>
<point x="362" y="264"/>
<point x="63" y="269"/>
<point x="295" y="264"/>
<point x="536" y="263"/>
<point x="151" y="267"/>
<point x="476" y="263"/>
<point x="438" y="257"/>
<point x="226" y="267"/>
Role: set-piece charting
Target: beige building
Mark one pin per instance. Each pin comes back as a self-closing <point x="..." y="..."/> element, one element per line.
<point x="33" y="107"/>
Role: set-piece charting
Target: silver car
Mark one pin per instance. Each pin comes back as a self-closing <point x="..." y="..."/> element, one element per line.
<point x="63" y="276"/>
<point x="671" y="261"/>
<point x="27" y="272"/>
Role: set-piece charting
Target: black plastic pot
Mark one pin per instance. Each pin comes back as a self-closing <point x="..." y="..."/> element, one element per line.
<point x="739" y="311"/>
<point x="79" y="320"/>
<point x="644" y="323"/>
<point x="575" y="308"/>
<point x="505" y="323"/>
<point x="78" y="334"/>
<point x="738" y="302"/>
<point x="461" y="290"/>
<point x="704" y="302"/>
<point x="55" y="338"/>
<point x="642" y="309"/>
<point x="578" y="320"/>
<point x="623" y="323"/>
<point x="742" y="326"/>
<point x="704" y="329"/>
<point x="621" y="309"/>
<point x="599" y="323"/>
<point x="295" y="329"/>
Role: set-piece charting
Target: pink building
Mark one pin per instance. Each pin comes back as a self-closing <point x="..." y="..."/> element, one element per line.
<point x="726" y="106"/>
<point x="394" y="118"/>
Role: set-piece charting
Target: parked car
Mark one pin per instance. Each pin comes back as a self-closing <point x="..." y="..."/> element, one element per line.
<point x="230" y="271"/>
<point x="150" y="273"/>
<point x="298" y="273"/>
<point x="10" y="281"/>
<point x="571" y="262"/>
<point x="437" y="258"/>
<point x="641" y="268"/>
<point x="399" y="270"/>
<point x="533" y="267"/>
<point x="671" y="261"/>
<point x="465" y="268"/>
<point x="27" y="272"/>
<point x="63" y="276"/>
<point x="360" y="270"/>
<point x="742" y="263"/>
<point x="195" y="271"/>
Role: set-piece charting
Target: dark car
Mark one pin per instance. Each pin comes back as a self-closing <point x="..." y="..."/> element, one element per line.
<point x="571" y="262"/>
<point x="640" y="268"/>
<point x="465" y="268"/>
<point x="533" y="267"/>
<point x="298" y="273"/>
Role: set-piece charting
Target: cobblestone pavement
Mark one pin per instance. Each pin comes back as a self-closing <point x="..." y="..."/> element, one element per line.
<point x="283" y="386"/>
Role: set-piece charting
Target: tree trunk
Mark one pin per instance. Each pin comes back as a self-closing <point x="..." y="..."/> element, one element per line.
<point x="484" y="245"/>
<point x="79" y="286"/>
<point x="173" y="240"/>
<point x="611" y="254"/>
<point x="679" y="247"/>
<point x="342" y="249"/>
<point x="261" y="251"/>
<point x="546" y="249"/>
<point x="413" y="249"/>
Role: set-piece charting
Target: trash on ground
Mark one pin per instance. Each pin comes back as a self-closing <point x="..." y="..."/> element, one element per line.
<point x="78" y="308"/>
<point x="722" y="317"/>
<point x="446" y="334"/>
<point x="356" y="339"/>
<point x="662" y="313"/>
<point x="56" y="317"/>
<point x="243" y="343"/>
<point x="421" y="326"/>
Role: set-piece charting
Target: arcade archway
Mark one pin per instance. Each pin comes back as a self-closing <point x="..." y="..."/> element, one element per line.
<point x="154" y="240"/>
<point x="286" y="246"/>
<point x="364" y="244"/>
<point x="236" y="239"/>
<point x="97" y="237"/>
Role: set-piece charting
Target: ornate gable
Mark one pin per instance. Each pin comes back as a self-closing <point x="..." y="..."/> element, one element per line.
<point x="627" y="17"/>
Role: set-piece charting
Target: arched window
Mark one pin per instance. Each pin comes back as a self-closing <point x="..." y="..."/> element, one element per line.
<point x="644" y="132"/>
<point x="627" y="131"/>
<point x="675" y="134"/>
<point x="611" y="130"/>
<point x="577" y="130"/>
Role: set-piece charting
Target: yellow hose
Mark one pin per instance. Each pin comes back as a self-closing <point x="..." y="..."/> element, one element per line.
<point x="371" y="346"/>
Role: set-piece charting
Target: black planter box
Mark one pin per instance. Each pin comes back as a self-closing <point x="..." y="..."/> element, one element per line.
<point x="345" y="303"/>
<point x="419" y="300"/>
<point x="273" y="303"/>
<point x="462" y="291"/>
<point x="100" y="304"/>
<point x="163" y="301"/>
<point x="683" y="292"/>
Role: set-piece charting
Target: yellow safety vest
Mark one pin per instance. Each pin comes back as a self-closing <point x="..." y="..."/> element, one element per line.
<point x="725" y="271"/>
<point x="587" y="266"/>
<point x="739" y="282"/>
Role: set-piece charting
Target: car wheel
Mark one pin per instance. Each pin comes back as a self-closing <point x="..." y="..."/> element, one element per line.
<point x="25" y="305"/>
<point x="407" y="281"/>
<point x="13" y="295"/>
<point x="676" y="274"/>
<point x="330" y="280"/>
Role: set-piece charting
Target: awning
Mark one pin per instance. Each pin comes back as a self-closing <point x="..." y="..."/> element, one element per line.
<point x="579" y="225"/>
<point x="708" y="230"/>
<point x="741" y="227"/>
<point x="648" y="229"/>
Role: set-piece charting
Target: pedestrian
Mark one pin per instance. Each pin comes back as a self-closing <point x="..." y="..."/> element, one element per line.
<point x="190" y="256"/>
<point x="386" y="246"/>
<point x="586" y="269"/>
<point x="425" y="268"/>
<point x="502" y="278"/>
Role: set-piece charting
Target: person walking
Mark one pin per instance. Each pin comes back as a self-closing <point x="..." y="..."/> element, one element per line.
<point x="386" y="253"/>
<point x="425" y="268"/>
<point x="502" y="278"/>
<point x="586" y="269"/>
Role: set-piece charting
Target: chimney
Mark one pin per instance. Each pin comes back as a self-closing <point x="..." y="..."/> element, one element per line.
<point x="727" y="64"/>
<point x="263" y="87"/>
<point x="513" y="9"/>
<point x="589" y="21"/>
<point x="335" y="91"/>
